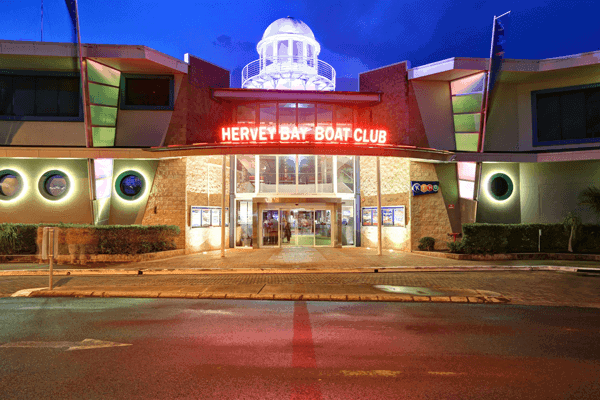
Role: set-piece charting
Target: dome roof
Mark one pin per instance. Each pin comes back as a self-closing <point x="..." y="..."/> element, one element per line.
<point x="288" y="25"/>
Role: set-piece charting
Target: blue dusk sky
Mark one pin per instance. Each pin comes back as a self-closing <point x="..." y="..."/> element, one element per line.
<point x="355" y="36"/>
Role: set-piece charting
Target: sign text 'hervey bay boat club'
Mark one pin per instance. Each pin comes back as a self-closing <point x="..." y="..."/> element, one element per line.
<point x="321" y="133"/>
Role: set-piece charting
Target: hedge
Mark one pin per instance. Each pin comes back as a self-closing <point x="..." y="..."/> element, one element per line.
<point x="90" y="239"/>
<point x="523" y="238"/>
<point x="18" y="238"/>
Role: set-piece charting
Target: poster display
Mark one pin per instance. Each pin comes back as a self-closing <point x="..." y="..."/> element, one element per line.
<point x="203" y="217"/>
<point x="366" y="216"/>
<point x="387" y="215"/>
<point x="196" y="217"/>
<point x="399" y="216"/>
<point x="216" y="217"/>
<point x="392" y="216"/>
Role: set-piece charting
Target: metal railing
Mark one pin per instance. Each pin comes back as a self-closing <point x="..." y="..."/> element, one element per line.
<point x="280" y="64"/>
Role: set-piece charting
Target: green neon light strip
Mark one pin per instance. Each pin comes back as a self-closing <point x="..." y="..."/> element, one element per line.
<point x="467" y="104"/>
<point x="466" y="141"/>
<point x="100" y="94"/>
<point x="106" y="116"/>
<point x="103" y="74"/>
<point x="103" y="137"/>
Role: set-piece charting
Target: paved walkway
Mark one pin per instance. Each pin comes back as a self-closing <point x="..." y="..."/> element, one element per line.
<point x="323" y="258"/>
<point x="319" y="274"/>
<point x="549" y="288"/>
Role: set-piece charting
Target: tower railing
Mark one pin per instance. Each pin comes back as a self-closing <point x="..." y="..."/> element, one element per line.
<point x="281" y="64"/>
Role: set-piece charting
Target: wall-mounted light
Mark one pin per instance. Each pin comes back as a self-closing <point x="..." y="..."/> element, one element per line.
<point x="130" y="185"/>
<point x="55" y="185"/>
<point x="12" y="184"/>
<point x="499" y="186"/>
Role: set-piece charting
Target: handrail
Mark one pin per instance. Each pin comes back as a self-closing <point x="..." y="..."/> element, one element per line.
<point x="277" y="64"/>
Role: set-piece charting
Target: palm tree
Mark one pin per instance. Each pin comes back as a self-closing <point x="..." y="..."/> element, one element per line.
<point x="590" y="197"/>
<point x="572" y="221"/>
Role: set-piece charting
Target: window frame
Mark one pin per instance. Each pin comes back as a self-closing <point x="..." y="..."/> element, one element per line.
<point x="122" y="176"/>
<point x="123" y="92"/>
<point x="52" y="74"/>
<point x="534" y="133"/>
<point x="44" y="179"/>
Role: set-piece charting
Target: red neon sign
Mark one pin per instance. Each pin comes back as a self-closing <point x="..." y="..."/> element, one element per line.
<point x="290" y="134"/>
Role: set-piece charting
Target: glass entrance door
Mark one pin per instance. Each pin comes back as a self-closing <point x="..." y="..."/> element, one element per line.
<point x="297" y="228"/>
<point x="322" y="228"/>
<point x="288" y="228"/>
<point x="305" y="227"/>
<point x="270" y="231"/>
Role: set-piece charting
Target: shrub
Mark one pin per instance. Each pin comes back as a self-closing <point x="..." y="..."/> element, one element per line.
<point x="455" y="247"/>
<point x="18" y="238"/>
<point x="426" y="243"/>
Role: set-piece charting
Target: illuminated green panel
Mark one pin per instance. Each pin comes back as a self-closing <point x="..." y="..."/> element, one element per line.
<point x="102" y="74"/>
<point x="467" y="122"/>
<point x="103" y="115"/>
<point x="467" y="104"/>
<point x="103" y="94"/>
<point x="103" y="137"/>
<point x="466" y="141"/>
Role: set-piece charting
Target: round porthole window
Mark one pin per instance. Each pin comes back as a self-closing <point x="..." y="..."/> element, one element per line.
<point x="130" y="185"/>
<point x="54" y="185"/>
<point x="500" y="186"/>
<point x="11" y="184"/>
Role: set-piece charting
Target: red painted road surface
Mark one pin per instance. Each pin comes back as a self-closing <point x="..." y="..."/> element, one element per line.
<point x="202" y="349"/>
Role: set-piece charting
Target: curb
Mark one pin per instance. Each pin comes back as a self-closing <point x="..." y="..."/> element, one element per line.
<point x="218" y="271"/>
<point x="511" y="256"/>
<point x="479" y="299"/>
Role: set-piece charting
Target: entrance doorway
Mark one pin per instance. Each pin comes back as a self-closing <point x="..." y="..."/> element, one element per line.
<point x="296" y="227"/>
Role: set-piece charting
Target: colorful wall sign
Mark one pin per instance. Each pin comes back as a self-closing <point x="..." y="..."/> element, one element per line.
<point x="292" y="133"/>
<point x="421" y="187"/>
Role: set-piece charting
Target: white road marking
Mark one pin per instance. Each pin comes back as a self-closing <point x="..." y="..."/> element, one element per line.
<point x="85" y="344"/>
<point x="26" y="292"/>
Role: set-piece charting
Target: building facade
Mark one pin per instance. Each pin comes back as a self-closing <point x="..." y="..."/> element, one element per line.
<point x="295" y="162"/>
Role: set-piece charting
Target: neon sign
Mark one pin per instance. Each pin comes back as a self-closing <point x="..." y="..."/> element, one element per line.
<point x="321" y="133"/>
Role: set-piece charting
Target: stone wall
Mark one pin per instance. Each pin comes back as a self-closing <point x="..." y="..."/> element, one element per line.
<point x="395" y="188"/>
<point x="205" y="115"/>
<point x="428" y="211"/>
<point x="177" y="131"/>
<point x="203" y="188"/>
<point x="166" y="202"/>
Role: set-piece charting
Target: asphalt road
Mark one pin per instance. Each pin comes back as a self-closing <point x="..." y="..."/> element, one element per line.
<point x="211" y="349"/>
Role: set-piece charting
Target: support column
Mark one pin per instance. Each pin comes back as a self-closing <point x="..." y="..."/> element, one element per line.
<point x="223" y="191"/>
<point x="232" y="208"/>
<point x="379" y="219"/>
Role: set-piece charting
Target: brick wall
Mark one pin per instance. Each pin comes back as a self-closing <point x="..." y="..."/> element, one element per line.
<point x="166" y="202"/>
<point x="206" y="116"/>
<point x="398" y="110"/>
<point x="428" y="212"/>
<point x="395" y="188"/>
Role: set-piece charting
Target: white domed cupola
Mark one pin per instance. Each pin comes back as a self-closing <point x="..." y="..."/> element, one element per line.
<point x="288" y="60"/>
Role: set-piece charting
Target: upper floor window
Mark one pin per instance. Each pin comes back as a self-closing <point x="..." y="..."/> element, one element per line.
<point x="566" y="115"/>
<point x="147" y="92"/>
<point x="31" y="96"/>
